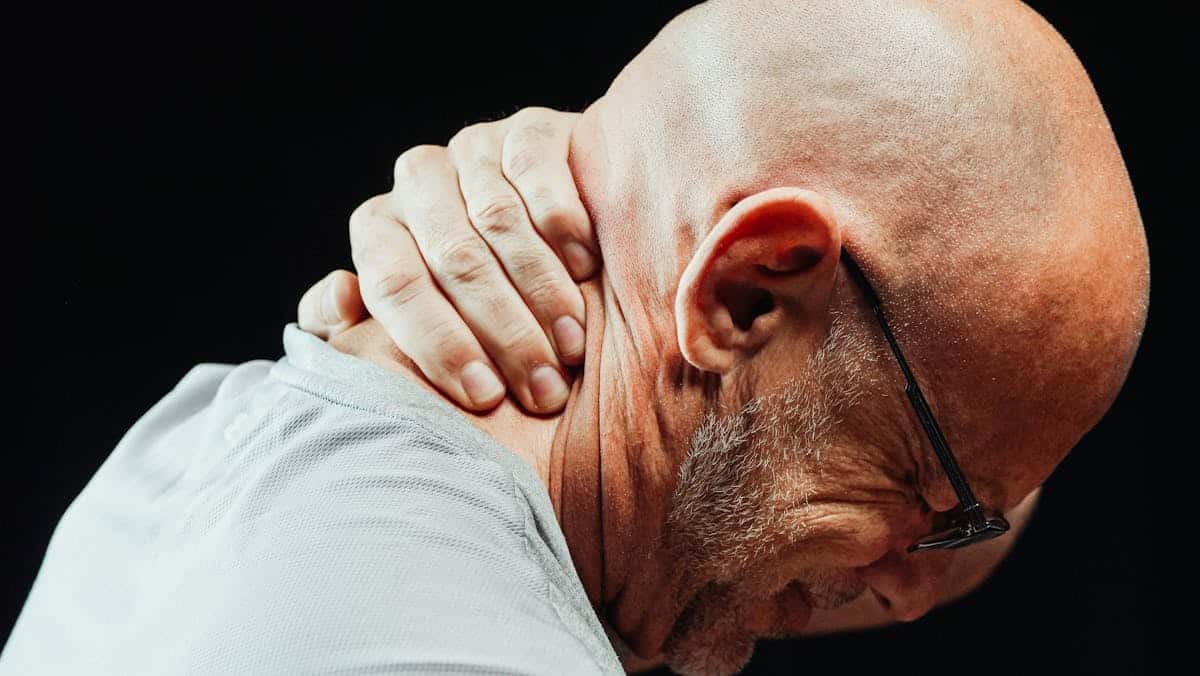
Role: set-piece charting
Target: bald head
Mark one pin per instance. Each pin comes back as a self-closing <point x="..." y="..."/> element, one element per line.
<point x="968" y="165"/>
<point x="959" y="153"/>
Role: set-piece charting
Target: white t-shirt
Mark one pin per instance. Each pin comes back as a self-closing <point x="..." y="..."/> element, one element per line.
<point x="317" y="514"/>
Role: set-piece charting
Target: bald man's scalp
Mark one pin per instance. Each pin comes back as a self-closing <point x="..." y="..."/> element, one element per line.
<point x="974" y="175"/>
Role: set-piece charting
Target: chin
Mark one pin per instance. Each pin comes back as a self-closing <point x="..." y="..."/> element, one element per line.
<point x="709" y="636"/>
<point x="692" y="655"/>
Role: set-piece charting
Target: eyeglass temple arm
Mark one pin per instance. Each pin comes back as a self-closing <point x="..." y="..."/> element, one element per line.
<point x="970" y="505"/>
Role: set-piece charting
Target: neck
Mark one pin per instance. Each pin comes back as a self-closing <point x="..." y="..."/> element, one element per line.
<point x="606" y="461"/>
<point x="614" y="464"/>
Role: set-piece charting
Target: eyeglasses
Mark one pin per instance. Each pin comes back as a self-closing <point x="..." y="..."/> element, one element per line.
<point x="966" y="524"/>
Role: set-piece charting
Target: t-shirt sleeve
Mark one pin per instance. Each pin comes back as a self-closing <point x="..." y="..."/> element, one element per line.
<point x="248" y="527"/>
<point x="370" y="566"/>
<point x="343" y="606"/>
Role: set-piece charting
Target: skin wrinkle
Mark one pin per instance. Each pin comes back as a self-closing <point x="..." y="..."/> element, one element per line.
<point x="953" y="213"/>
<point x="725" y="516"/>
<point x="968" y="167"/>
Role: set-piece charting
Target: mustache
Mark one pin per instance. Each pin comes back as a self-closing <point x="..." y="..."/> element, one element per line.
<point x="833" y="596"/>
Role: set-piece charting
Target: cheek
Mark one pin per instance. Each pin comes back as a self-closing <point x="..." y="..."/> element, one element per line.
<point x="852" y="535"/>
<point x="845" y="513"/>
<point x="820" y="552"/>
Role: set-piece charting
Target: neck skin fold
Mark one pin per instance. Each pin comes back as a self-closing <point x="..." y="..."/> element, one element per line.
<point x="610" y="460"/>
<point x="604" y="461"/>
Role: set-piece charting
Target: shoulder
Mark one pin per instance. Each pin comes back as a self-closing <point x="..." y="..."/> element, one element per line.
<point x="296" y="517"/>
<point x="353" y="525"/>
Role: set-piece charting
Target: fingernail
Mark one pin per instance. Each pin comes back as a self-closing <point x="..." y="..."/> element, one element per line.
<point x="580" y="261"/>
<point x="548" y="388"/>
<point x="481" y="383"/>
<point x="568" y="335"/>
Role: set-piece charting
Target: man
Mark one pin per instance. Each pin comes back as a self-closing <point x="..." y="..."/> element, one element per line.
<point x="737" y="449"/>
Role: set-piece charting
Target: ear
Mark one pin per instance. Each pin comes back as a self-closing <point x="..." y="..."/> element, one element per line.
<point x="767" y="268"/>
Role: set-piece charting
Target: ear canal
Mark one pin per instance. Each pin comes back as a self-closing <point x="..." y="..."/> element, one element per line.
<point x="764" y="272"/>
<point x="744" y="303"/>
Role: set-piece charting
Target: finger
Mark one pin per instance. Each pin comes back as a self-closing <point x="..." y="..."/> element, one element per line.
<point x="401" y="294"/>
<point x="534" y="159"/>
<point x="498" y="215"/>
<point x="331" y="306"/>
<point x="465" y="268"/>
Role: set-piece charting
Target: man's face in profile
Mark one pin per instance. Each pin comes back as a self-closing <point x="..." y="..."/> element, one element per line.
<point x="772" y="519"/>
<point x="724" y="169"/>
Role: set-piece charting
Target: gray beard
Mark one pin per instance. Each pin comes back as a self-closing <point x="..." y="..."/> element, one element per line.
<point x="722" y="522"/>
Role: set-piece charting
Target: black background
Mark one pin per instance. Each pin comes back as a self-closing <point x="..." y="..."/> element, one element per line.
<point x="183" y="174"/>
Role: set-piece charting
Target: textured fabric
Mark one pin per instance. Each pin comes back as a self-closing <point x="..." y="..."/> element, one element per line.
<point x="316" y="514"/>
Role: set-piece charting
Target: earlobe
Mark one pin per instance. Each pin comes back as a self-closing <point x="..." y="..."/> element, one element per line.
<point x="766" y="265"/>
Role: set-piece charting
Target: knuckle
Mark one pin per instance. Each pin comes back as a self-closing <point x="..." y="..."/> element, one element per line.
<point x="550" y="212"/>
<point x="443" y="337"/>
<point x="467" y="137"/>
<point x="522" y="160"/>
<point x="527" y="346"/>
<point x="497" y="216"/>
<point x="463" y="260"/>
<point x="534" y="125"/>
<point x="362" y="263"/>
<point x="443" y="345"/>
<point x="524" y="115"/>
<point x="538" y="281"/>
<point x="410" y="162"/>
<point x="398" y="285"/>
<point x="537" y="112"/>
<point x="359" y="220"/>
<point x="452" y="351"/>
<point x="544" y="293"/>
<point x="363" y="221"/>
<point x="435" y="216"/>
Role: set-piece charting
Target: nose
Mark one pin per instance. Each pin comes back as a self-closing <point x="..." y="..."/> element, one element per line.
<point x="906" y="585"/>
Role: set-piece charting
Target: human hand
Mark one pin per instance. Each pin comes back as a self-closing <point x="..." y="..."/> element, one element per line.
<point x="465" y="263"/>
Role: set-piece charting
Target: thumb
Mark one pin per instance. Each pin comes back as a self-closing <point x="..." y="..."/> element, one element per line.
<point x="332" y="305"/>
